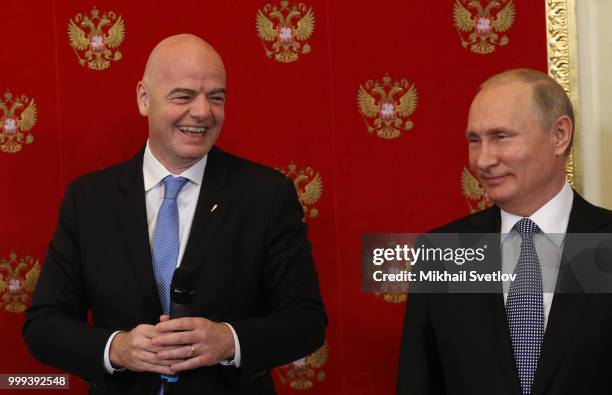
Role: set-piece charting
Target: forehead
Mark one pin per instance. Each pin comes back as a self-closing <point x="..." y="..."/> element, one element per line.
<point x="502" y="105"/>
<point x="190" y="69"/>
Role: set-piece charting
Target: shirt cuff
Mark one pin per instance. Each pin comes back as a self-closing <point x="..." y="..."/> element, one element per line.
<point x="236" y="361"/>
<point x="107" y="364"/>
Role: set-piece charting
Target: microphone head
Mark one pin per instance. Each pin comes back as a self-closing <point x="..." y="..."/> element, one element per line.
<point x="182" y="287"/>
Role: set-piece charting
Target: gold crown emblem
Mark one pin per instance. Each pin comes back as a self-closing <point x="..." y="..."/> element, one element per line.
<point x="18" y="118"/>
<point x="386" y="106"/>
<point x="480" y="27"/>
<point x="94" y="38"/>
<point x="309" y="186"/>
<point x="18" y="277"/>
<point x="303" y="373"/>
<point x="283" y="30"/>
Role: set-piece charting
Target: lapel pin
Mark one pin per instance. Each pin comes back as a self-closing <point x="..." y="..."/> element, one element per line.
<point x="214" y="207"/>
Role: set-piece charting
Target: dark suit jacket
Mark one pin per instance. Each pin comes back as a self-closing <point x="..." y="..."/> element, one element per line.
<point x="255" y="272"/>
<point x="460" y="343"/>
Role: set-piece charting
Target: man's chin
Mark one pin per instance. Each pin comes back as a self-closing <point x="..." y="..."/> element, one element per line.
<point x="195" y="151"/>
<point x="194" y="156"/>
<point x="497" y="197"/>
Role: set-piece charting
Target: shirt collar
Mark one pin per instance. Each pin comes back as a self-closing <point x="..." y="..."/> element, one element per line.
<point x="552" y="218"/>
<point x="153" y="171"/>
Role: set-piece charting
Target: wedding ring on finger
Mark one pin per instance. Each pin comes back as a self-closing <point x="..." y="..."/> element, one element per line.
<point x="194" y="349"/>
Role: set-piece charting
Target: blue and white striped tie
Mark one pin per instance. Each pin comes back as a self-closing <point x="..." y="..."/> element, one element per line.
<point x="525" y="307"/>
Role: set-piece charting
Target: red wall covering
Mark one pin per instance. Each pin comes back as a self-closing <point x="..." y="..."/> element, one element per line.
<point x="304" y="112"/>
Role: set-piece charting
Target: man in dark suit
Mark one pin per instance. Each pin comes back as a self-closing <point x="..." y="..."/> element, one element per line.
<point x="179" y="202"/>
<point x="549" y="339"/>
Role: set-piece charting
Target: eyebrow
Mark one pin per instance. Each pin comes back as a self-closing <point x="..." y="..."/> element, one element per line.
<point x="217" y="90"/>
<point x="471" y="133"/>
<point x="182" y="90"/>
<point x="192" y="92"/>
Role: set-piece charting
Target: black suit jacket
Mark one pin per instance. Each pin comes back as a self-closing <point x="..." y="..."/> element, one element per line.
<point x="460" y="343"/>
<point x="254" y="271"/>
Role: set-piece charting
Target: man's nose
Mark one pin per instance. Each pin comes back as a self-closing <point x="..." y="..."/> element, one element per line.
<point x="485" y="156"/>
<point x="200" y="108"/>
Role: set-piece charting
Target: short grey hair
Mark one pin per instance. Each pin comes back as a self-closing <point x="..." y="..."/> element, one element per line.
<point x="550" y="98"/>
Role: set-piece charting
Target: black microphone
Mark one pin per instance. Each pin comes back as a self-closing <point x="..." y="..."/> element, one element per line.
<point x="182" y="289"/>
<point x="181" y="292"/>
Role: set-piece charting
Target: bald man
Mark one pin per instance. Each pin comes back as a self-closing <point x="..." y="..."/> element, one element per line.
<point x="180" y="202"/>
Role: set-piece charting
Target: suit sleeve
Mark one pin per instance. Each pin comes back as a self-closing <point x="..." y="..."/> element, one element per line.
<point x="295" y="320"/>
<point x="419" y="365"/>
<point x="56" y="328"/>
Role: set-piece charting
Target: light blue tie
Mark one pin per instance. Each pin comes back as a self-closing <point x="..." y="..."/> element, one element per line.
<point x="166" y="239"/>
<point x="525" y="307"/>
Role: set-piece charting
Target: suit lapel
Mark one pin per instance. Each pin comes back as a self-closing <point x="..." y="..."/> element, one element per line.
<point x="132" y="212"/>
<point x="211" y="209"/>
<point x="494" y="325"/>
<point x="567" y="307"/>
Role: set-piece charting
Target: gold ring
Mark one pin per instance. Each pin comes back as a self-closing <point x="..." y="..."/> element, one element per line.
<point x="193" y="350"/>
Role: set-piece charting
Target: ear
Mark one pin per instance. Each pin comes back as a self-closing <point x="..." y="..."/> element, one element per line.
<point x="142" y="98"/>
<point x="562" y="134"/>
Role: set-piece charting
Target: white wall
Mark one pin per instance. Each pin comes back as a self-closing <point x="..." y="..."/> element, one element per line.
<point x="594" y="20"/>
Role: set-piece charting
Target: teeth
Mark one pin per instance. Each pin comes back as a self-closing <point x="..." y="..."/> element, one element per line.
<point x="192" y="129"/>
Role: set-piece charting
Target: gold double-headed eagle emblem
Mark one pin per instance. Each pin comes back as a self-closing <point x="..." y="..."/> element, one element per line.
<point x="480" y="27"/>
<point x="18" y="277"/>
<point x="309" y="186"/>
<point x="18" y="118"/>
<point x="95" y="37"/>
<point x="473" y="192"/>
<point x="386" y="106"/>
<point x="303" y="373"/>
<point x="390" y="292"/>
<point x="284" y="30"/>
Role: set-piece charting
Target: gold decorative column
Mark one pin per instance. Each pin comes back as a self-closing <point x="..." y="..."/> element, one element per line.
<point x="562" y="49"/>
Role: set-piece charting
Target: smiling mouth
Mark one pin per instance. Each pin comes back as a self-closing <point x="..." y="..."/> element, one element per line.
<point x="493" y="180"/>
<point x="193" y="130"/>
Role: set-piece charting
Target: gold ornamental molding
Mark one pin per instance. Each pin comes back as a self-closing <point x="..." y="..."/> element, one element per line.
<point x="562" y="50"/>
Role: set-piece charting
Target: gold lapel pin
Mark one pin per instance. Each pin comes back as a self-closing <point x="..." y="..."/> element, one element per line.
<point x="214" y="207"/>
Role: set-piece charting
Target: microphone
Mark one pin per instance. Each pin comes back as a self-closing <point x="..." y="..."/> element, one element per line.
<point x="182" y="289"/>
<point x="181" y="292"/>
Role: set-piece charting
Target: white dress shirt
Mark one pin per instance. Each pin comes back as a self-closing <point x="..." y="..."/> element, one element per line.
<point x="154" y="172"/>
<point x="552" y="219"/>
